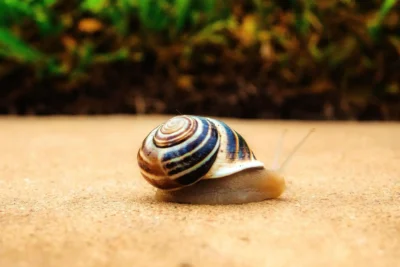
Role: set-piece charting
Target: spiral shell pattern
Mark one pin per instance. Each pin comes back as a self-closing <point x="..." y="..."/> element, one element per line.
<point x="186" y="149"/>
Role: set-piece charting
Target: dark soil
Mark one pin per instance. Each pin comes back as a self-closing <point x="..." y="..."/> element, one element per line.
<point x="242" y="91"/>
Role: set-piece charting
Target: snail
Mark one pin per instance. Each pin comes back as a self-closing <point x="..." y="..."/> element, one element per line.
<point x="200" y="160"/>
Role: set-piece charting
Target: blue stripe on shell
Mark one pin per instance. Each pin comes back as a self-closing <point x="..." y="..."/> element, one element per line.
<point x="174" y="153"/>
<point x="236" y="147"/>
<point x="230" y="143"/>
<point x="195" y="155"/>
<point x="207" y="157"/>
<point x="244" y="152"/>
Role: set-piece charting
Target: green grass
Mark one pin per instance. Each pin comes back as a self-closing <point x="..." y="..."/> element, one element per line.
<point x="333" y="34"/>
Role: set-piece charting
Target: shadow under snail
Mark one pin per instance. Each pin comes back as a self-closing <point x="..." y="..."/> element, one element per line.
<point x="200" y="160"/>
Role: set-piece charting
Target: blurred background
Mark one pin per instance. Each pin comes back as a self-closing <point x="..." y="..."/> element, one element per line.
<point x="282" y="59"/>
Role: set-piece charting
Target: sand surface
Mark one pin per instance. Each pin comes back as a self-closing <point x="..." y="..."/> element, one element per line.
<point x="71" y="195"/>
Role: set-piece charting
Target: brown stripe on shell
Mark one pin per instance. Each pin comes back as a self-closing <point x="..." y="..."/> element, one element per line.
<point x="161" y="183"/>
<point x="149" y="163"/>
<point x="152" y="171"/>
<point x="147" y="136"/>
<point x="187" y="125"/>
<point x="236" y="145"/>
<point x="176" y="139"/>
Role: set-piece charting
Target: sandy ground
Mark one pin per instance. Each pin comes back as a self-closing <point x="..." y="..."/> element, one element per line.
<point x="70" y="193"/>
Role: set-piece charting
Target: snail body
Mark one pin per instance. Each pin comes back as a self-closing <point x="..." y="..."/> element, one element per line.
<point x="200" y="160"/>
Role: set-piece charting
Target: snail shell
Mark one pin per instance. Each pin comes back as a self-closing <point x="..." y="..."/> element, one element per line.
<point x="193" y="159"/>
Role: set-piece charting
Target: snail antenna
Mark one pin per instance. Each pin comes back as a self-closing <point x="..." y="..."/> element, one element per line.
<point x="178" y="111"/>
<point x="278" y="150"/>
<point x="285" y="163"/>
